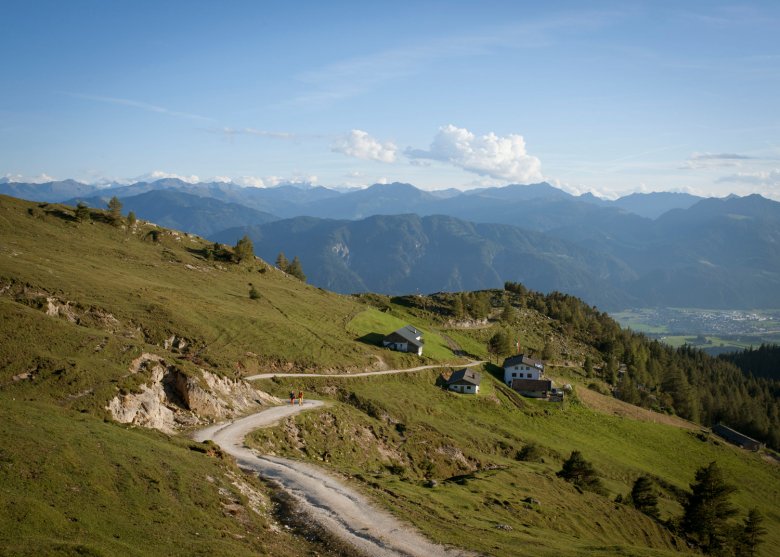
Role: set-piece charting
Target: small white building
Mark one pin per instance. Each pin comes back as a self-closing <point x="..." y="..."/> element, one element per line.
<point x="522" y="367"/>
<point x="405" y="339"/>
<point x="465" y="381"/>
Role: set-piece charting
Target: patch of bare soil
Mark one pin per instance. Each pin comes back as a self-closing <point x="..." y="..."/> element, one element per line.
<point x="609" y="405"/>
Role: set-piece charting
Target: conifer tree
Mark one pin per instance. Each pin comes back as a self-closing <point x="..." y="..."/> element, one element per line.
<point x="581" y="473"/>
<point x="500" y="344"/>
<point x="708" y="509"/>
<point x="244" y="249"/>
<point x="588" y="366"/>
<point x="644" y="498"/>
<point x="752" y="534"/>
<point x="296" y="270"/>
<point x="508" y="313"/>
<point x="457" y="307"/>
<point x="82" y="212"/>
<point x="282" y="262"/>
<point x="131" y="219"/>
<point x="115" y="211"/>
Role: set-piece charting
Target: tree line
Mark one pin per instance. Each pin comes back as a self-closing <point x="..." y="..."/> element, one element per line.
<point x="707" y="507"/>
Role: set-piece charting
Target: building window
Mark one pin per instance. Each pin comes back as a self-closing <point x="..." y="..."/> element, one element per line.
<point x="514" y="375"/>
<point x="529" y="376"/>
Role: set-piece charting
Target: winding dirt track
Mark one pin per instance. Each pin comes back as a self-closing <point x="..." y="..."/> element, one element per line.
<point x="336" y="507"/>
<point x="361" y="374"/>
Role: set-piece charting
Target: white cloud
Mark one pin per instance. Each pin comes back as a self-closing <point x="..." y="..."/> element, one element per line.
<point x="39" y="179"/>
<point x="713" y="160"/>
<point x="249" y="181"/>
<point x="487" y="155"/>
<point x="359" y="144"/>
<point x="760" y="178"/>
<point x="160" y="175"/>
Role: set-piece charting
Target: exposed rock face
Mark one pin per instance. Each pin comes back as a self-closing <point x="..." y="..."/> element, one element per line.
<point x="147" y="408"/>
<point x="173" y="399"/>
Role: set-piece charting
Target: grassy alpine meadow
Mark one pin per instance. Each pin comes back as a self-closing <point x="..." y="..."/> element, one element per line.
<point x="145" y="285"/>
<point x="396" y="436"/>
<point x="72" y="484"/>
<point x="371" y="321"/>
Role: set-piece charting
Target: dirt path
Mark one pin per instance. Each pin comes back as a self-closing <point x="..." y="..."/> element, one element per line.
<point x="329" y="502"/>
<point x="361" y="374"/>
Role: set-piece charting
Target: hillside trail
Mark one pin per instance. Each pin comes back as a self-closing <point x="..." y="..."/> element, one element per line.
<point x="336" y="507"/>
<point x="362" y="373"/>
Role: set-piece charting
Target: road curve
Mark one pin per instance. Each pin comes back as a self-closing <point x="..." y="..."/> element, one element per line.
<point x="360" y="374"/>
<point x="341" y="510"/>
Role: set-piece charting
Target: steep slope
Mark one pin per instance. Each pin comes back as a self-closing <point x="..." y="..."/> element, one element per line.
<point x="184" y="211"/>
<point x="92" y="313"/>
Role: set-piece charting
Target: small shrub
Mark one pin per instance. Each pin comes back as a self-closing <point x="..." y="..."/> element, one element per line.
<point x="530" y="453"/>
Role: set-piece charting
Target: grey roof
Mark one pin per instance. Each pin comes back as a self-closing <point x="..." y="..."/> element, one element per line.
<point x="532" y="385"/>
<point x="466" y="376"/>
<point x="523" y="359"/>
<point x="410" y="334"/>
<point x="735" y="436"/>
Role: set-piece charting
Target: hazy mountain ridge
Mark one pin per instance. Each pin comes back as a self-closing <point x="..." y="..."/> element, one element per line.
<point x="397" y="254"/>
<point x="717" y="253"/>
<point x="183" y="211"/>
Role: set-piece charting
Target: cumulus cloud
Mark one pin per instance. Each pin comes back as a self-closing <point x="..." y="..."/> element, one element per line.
<point x="714" y="160"/>
<point x="39" y="179"/>
<point x="161" y="175"/>
<point x="503" y="158"/>
<point x="760" y="178"/>
<point x="361" y="145"/>
<point x="249" y="181"/>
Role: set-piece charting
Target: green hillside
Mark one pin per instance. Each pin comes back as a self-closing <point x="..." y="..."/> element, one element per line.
<point x="83" y="305"/>
<point x="393" y="435"/>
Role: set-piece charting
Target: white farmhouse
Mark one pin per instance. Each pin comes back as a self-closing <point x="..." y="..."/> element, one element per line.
<point x="405" y="339"/>
<point x="522" y="367"/>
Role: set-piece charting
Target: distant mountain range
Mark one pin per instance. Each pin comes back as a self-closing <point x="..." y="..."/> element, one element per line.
<point x="398" y="254"/>
<point x="656" y="249"/>
<point x="183" y="211"/>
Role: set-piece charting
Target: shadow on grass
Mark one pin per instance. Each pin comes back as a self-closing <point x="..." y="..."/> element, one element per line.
<point x="374" y="339"/>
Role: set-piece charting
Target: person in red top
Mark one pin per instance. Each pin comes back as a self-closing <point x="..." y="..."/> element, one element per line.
<point x="300" y="397"/>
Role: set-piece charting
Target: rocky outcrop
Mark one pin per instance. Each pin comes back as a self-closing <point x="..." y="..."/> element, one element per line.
<point x="173" y="399"/>
<point x="149" y="407"/>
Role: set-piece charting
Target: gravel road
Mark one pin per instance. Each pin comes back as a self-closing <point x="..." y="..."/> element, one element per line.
<point x="341" y="510"/>
<point x="360" y="374"/>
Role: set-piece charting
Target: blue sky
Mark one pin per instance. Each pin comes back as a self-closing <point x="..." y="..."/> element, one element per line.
<point x="609" y="97"/>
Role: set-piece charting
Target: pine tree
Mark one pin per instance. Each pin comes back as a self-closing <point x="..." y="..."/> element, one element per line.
<point x="282" y="262"/>
<point x="581" y="473"/>
<point x="708" y="508"/>
<point x="295" y="269"/>
<point x="752" y="534"/>
<point x="547" y="351"/>
<point x="644" y="498"/>
<point x="131" y="219"/>
<point x="115" y="211"/>
<point x="82" y="212"/>
<point x="508" y="313"/>
<point x="244" y="249"/>
<point x="500" y="344"/>
<point x="457" y="307"/>
<point x="588" y="366"/>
